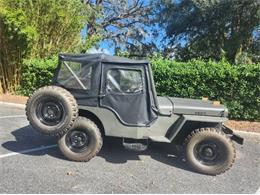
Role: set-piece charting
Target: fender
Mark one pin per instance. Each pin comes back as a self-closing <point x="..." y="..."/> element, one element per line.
<point x="184" y="119"/>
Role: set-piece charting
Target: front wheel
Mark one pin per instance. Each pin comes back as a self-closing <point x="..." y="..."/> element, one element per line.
<point x="210" y="151"/>
<point x="82" y="142"/>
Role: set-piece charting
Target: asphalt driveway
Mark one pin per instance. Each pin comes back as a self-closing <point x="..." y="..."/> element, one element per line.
<point x="32" y="163"/>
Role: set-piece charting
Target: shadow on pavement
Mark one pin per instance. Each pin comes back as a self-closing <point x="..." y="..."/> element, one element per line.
<point x="26" y="139"/>
<point x="112" y="151"/>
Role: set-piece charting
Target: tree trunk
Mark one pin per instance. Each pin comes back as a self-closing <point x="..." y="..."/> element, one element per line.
<point x="10" y="62"/>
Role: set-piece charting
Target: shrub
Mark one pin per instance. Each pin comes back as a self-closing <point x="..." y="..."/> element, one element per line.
<point x="235" y="86"/>
<point x="35" y="74"/>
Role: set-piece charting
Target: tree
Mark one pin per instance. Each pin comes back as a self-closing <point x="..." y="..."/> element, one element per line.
<point x="124" y="23"/>
<point x="210" y="29"/>
<point x="37" y="28"/>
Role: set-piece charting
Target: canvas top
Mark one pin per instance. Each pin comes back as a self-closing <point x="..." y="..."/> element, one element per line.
<point x="100" y="57"/>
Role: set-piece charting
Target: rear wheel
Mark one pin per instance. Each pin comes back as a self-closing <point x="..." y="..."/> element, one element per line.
<point x="51" y="110"/>
<point x="82" y="142"/>
<point x="210" y="151"/>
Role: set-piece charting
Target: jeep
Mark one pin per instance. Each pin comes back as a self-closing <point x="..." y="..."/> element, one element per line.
<point x="97" y="95"/>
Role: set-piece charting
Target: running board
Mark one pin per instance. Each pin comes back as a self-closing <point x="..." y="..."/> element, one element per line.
<point x="142" y="145"/>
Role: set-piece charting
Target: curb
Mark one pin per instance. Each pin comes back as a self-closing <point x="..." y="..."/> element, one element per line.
<point x="17" y="99"/>
<point x="247" y="132"/>
<point x="13" y="104"/>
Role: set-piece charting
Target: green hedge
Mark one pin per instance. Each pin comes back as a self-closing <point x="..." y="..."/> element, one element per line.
<point x="235" y="86"/>
<point x="35" y="74"/>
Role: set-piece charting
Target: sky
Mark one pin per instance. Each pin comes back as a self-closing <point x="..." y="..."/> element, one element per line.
<point x="108" y="47"/>
<point x="102" y="47"/>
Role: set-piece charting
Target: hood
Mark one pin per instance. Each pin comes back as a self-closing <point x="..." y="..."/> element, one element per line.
<point x="191" y="107"/>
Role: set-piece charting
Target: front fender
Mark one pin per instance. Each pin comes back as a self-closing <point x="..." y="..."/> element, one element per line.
<point x="193" y="121"/>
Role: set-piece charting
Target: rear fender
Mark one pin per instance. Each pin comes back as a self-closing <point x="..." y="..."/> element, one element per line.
<point x="90" y="115"/>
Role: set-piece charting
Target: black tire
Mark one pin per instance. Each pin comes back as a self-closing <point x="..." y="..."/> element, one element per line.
<point x="82" y="142"/>
<point x="210" y="151"/>
<point x="52" y="110"/>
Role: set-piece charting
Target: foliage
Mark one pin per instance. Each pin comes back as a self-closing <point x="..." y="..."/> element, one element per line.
<point x="211" y="29"/>
<point x="38" y="28"/>
<point x="36" y="73"/>
<point x="124" y="24"/>
<point x="12" y="48"/>
<point x="50" y="26"/>
<point x="235" y="86"/>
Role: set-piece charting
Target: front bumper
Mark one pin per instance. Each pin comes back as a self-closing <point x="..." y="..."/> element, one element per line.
<point x="233" y="136"/>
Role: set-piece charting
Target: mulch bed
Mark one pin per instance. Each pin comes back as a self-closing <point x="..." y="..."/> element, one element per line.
<point x="237" y="125"/>
<point x="244" y="125"/>
<point x="8" y="98"/>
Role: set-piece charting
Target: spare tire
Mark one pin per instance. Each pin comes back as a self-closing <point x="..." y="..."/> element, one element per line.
<point x="52" y="110"/>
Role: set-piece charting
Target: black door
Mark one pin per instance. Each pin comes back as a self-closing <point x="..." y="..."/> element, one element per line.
<point x="125" y="93"/>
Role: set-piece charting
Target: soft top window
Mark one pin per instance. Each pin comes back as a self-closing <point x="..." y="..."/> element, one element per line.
<point x="124" y="81"/>
<point x="75" y="75"/>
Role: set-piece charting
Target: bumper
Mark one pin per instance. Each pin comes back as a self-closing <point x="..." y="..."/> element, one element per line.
<point x="233" y="136"/>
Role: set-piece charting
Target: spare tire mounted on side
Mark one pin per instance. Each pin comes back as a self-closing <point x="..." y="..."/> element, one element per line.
<point x="52" y="110"/>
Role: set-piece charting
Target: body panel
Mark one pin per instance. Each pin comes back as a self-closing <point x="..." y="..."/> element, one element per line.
<point x="169" y="105"/>
<point x="165" y="105"/>
<point x="163" y="124"/>
<point x="113" y="126"/>
<point x="197" y="107"/>
<point x="173" y="132"/>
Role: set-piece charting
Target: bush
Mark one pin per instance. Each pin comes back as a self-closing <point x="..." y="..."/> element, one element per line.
<point x="235" y="86"/>
<point x="35" y="74"/>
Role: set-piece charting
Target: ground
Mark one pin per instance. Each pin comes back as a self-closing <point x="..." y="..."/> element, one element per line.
<point x="32" y="163"/>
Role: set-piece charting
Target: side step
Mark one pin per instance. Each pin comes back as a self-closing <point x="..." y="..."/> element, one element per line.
<point x="135" y="145"/>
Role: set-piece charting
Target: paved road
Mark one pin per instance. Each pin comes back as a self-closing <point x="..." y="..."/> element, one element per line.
<point x="25" y="167"/>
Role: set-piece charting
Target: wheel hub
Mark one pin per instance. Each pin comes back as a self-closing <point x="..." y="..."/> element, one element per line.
<point x="77" y="140"/>
<point x="207" y="152"/>
<point x="50" y="111"/>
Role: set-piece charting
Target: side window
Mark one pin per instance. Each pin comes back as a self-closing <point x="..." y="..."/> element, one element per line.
<point x="124" y="81"/>
<point x="70" y="70"/>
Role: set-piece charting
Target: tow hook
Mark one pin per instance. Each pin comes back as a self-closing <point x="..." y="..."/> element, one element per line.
<point x="234" y="136"/>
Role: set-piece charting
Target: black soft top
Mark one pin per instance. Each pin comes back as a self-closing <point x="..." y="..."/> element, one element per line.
<point x="100" y="57"/>
<point x="87" y="91"/>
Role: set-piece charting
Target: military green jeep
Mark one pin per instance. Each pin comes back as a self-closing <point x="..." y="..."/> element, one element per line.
<point x="96" y="95"/>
